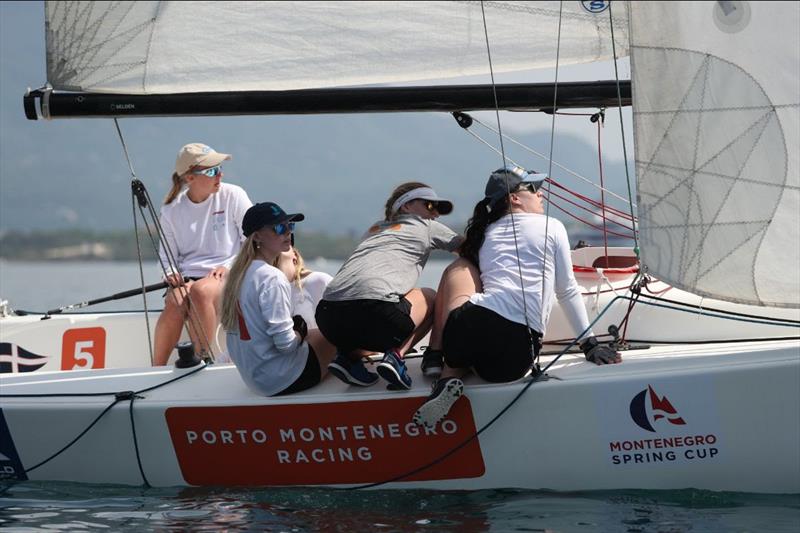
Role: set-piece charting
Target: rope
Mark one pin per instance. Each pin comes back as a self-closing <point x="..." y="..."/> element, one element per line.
<point x="622" y="129"/>
<point x="535" y="379"/>
<point x="586" y="199"/>
<point x="138" y="247"/>
<point x="118" y="397"/>
<point x="541" y="155"/>
<point x="193" y="325"/>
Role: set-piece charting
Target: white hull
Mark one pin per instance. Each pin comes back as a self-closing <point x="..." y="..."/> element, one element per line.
<point x="721" y="417"/>
<point x="717" y="416"/>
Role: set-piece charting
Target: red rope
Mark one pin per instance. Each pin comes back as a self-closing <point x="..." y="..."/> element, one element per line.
<point x="589" y="223"/>
<point x="621" y="214"/>
<point x="553" y="193"/>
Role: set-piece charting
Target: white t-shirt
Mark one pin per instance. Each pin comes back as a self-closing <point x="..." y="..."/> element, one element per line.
<point x="500" y="272"/>
<point x="206" y="235"/>
<point x="305" y="300"/>
<point x="265" y="349"/>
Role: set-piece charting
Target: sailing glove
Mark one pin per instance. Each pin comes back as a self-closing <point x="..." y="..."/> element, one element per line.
<point x="300" y="327"/>
<point x="599" y="354"/>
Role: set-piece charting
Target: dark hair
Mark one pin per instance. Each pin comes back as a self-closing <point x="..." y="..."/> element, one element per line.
<point x="399" y="191"/>
<point x="475" y="233"/>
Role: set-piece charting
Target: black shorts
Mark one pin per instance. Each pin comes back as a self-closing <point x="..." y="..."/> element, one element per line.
<point x="372" y="325"/>
<point x="312" y="375"/>
<point x="498" y="349"/>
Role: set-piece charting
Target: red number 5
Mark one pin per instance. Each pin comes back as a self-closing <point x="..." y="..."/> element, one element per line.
<point x="83" y="348"/>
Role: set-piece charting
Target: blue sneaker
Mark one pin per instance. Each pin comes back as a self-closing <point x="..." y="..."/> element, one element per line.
<point x="393" y="370"/>
<point x="352" y="372"/>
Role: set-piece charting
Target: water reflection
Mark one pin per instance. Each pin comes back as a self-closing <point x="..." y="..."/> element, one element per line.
<point x="34" y="506"/>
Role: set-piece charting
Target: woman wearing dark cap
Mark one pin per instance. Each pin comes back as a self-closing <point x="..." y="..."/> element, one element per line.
<point x="201" y="221"/>
<point x="494" y="321"/>
<point x="371" y="304"/>
<point x="274" y="352"/>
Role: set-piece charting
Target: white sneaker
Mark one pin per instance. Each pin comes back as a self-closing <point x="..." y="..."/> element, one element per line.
<point x="445" y="393"/>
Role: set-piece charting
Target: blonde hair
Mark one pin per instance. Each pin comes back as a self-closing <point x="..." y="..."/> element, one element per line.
<point x="300" y="268"/>
<point x="399" y="191"/>
<point x="177" y="185"/>
<point x="230" y="293"/>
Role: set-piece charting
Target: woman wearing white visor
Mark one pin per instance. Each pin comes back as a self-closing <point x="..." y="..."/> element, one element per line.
<point x="372" y="304"/>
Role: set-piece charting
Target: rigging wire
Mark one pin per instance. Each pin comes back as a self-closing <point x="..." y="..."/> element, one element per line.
<point x="602" y="185"/>
<point x="543" y="156"/>
<point x="138" y="247"/>
<point x="508" y="186"/>
<point x="622" y="129"/>
<point x="616" y="212"/>
<point x="550" y="158"/>
<point x="194" y="326"/>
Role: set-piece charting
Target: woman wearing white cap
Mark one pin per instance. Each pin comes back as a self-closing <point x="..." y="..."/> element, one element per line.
<point x="494" y="301"/>
<point x="201" y="222"/>
<point x="371" y="303"/>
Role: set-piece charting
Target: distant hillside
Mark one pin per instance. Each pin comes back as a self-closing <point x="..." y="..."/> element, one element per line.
<point x="80" y="245"/>
<point x="337" y="170"/>
<point x="120" y="245"/>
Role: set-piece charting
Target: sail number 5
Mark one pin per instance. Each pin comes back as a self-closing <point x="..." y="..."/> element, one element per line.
<point x="83" y="348"/>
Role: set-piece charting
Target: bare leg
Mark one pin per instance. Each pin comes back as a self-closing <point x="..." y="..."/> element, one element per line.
<point x="169" y="325"/>
<point x="459" y="281"/>
<point x="422" y="315"/>
<point x="325" y="350"/>
<point x="204" y="297"/>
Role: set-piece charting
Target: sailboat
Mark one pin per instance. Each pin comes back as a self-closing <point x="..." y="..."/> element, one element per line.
<point x="709" y="395"/>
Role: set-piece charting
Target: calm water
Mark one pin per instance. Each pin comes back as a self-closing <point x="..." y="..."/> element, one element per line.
<point x="40" y="286"/>
<point x="36" y="506"/>
<point x="69" y="507"/>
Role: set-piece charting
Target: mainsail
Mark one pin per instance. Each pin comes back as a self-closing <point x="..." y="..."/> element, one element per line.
<point x="180" y="47"/>
<point x="716" y="109"/>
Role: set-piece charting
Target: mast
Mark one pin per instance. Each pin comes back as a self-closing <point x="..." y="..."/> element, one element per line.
<point x="49" y="104"/>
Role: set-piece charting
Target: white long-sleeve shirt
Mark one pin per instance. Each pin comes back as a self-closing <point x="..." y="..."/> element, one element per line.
<point x="205" y="235"/>
<point x="305" y="299"/>
<point x="265" y="349"/>
<point x="546" y="272"/>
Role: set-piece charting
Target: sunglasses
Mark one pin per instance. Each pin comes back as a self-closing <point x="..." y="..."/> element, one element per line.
<point x="283" y="228"/>
<point x="529" y="186"/>
<point x="431" y="206"/>
<point x="212" y="172"/>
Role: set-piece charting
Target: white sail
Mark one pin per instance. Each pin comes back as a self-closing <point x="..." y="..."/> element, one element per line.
<point x="174" y="47"/>
<point x="716" y="96"/>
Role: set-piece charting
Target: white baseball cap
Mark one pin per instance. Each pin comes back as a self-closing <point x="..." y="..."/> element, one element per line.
<point x="197" y="155"/>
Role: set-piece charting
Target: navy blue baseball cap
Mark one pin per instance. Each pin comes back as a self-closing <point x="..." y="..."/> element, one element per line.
<point x="266" y="214"/>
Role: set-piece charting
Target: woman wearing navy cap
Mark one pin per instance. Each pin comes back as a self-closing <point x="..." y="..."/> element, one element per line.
<point x="274" y="352"/>
<point x="494" y="301"/>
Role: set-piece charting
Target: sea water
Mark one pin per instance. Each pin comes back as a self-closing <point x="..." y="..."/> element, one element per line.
<point x="40" y="506"/>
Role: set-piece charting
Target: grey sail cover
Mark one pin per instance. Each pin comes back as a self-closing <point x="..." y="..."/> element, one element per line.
<point x="175" y="47"/>
<point x="716" y="98"/>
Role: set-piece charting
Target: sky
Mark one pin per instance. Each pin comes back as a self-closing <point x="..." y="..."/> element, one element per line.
<point x="338" y="169"/>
